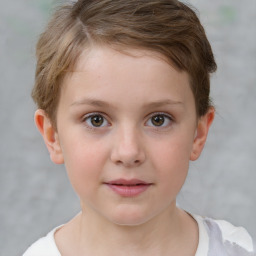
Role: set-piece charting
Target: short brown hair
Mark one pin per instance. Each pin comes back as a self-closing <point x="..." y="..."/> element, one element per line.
<point x="168" y="27"/>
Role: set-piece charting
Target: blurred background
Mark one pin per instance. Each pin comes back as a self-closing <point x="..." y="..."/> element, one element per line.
<point x="35" y="195"/>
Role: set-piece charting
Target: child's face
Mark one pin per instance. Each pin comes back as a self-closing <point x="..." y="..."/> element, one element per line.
<point x="126" y="119"/>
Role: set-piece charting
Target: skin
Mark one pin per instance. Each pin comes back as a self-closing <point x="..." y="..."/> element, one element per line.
<point x="127" y="91"/>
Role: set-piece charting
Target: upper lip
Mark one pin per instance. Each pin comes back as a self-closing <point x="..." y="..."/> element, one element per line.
<point x="130" y="182"/>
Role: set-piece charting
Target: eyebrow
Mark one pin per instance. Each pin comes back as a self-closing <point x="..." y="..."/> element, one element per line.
<point x="92" y="102"/>
<point x="103" y="104"/>
<point x="164" y="102"/>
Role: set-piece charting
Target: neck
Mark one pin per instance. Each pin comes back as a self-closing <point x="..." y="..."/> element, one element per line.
<point x="162" y="235"/>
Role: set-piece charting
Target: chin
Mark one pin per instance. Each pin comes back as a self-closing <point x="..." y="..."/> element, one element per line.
<point x="130" y="218"/>
<point x="129" y="222"/>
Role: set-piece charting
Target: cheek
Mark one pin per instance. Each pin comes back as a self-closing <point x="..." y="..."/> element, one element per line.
<point x="172" y="151"/>
<point x="84" y="164"/>
<point x="171" y="159"/>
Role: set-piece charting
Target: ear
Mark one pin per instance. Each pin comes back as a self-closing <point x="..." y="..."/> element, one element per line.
<point x="50" y="136"/>
<point x="203" y="126"/>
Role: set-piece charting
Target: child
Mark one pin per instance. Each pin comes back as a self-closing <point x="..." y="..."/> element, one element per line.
<point x="122" y="89"/>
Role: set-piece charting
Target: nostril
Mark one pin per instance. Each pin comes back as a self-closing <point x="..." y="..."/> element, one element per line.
<point x="127" y="156"/>
<point x="119" y="162"/>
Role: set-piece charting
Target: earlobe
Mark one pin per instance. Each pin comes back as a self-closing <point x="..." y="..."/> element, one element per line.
<point x="203" y="127"/>
<point x="50" y="136"/>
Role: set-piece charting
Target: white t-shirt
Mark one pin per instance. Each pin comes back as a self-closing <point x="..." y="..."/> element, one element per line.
<point x="216" y="238"/>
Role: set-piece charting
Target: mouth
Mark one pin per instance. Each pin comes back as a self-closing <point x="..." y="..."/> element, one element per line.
<point x="128" y="188"/>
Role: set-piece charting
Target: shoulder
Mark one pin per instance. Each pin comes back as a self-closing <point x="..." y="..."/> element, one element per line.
<point x="45" y="246"/>
<point x="235" y="234"/>
<point x="225" y="237"/>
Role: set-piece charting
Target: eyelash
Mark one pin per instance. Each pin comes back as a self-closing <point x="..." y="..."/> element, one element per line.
<point x="91" y="115"/>
<point x="166" y="117"/>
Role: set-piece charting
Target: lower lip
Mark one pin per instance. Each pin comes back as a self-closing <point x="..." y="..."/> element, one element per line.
<point x="129" y="191"/>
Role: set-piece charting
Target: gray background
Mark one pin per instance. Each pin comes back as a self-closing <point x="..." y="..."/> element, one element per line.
<point x="35" y="194"/>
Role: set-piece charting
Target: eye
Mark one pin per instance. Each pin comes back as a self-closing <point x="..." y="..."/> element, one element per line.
<point x="159" y="120"/>
<point x="96" y="120"/>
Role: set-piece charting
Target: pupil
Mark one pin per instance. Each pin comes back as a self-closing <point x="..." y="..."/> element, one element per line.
<point x="158" y="120"/>
<point x="97" y="120"/>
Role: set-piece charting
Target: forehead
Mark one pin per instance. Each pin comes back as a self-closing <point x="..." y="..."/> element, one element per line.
<point x="131" y="73"/>
<point x="106" y="51"/>
<point x="100" y="58"/>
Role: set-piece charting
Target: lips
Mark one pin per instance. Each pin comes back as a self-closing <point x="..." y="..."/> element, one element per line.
<point x="128" y="188"/>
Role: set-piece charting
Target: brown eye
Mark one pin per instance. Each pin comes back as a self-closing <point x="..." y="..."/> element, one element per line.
<point x="158" y="120"/>
<point x="96" y="120"/>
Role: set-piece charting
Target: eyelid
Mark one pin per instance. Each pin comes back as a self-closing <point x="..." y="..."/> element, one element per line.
<point x="160" y="113"/>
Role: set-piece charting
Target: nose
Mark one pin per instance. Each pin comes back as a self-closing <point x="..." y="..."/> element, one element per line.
<point x="128" y="148"/>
